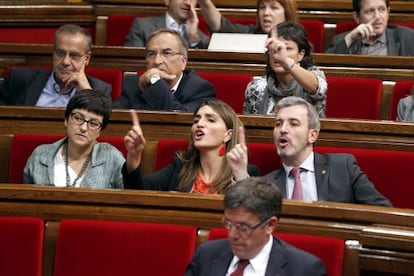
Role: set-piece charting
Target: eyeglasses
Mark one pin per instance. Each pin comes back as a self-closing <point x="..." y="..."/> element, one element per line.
<point x="78" y="119"/>
<point x="59" y="53"/>
<point x="167" y="54"/>
<point x="242" y="228"/>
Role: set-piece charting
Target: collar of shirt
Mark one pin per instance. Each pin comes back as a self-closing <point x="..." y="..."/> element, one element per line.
<point x="51" y="95"/>
<point x="172" y="24"/>
<point x="307" y="165"/>
<point x="174" y="88"/>
<point x="258" y="264"/>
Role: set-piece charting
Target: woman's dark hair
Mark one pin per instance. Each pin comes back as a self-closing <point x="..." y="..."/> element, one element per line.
<point x="296" y="33"/>
<point x="93" y="101"/>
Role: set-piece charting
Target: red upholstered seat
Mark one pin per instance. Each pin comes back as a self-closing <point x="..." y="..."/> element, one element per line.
<point x="108" y="248"/>
<point x="356" y="98"/>
<point x="329" y="250"/>
<point x="112" y="76"/>
<point x="390" y="171"/>
<point x="41" y="35"/>
<point x="401" y="89"/>
<point x="21" y="246"/>
<point x="117" y="27"/>
<point x="23" y="145"/>
<point x="264" y="156"/>
<point x="230" y="87"/>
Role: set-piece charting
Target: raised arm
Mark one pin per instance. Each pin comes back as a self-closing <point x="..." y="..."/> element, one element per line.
<point x="211" y="14"/>
<point x="237" y="158"/>
<point x="134" y="143"/>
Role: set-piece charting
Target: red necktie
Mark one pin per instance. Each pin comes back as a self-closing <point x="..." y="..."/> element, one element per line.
<point x="241" y="265"/>
<point x="297" y="189"/>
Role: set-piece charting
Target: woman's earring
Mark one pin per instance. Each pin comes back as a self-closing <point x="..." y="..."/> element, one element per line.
<point x="222" y="149"/>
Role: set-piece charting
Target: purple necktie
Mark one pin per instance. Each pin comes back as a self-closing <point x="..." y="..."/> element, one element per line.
<point x="241" y="265"/>
<point x="297" y="188"/>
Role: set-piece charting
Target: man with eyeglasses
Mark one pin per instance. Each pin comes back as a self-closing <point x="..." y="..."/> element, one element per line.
<point x="54" y="88"/>
<point x="252" y="209"/>
<point x="166" y="84"/>
<point x="180" y="16"/>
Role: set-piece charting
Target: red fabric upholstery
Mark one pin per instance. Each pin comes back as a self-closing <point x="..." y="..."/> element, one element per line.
<point x="315" y="29"/>
<point x="112" y="76"/>
<point x="356" y="98"/>
<point x="329" y="250"/>
<point x="401" y="89"/>
<point x="23" y="145"/>
<point x="346" y="26"/>
<point x="107" y="248"/>
<point x="390" y="171"/>
<point x="21" y="243"/>
<point x="42" y="35"/>
<point x="264" y="156"/>
<point x="230" y="87"/>
<point x="117" y="27"/>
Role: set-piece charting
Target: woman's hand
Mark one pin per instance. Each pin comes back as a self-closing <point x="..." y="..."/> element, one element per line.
<point x="134" y="143"/>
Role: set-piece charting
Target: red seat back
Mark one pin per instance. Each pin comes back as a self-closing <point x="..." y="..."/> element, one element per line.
<point x="230" y="87"/>
<point x="389" y="170"/>
<point x="21" y="243"/>
<point x="329" y="250"/>
<point x="107" y="248"/>
<point x="315" y="29"/>
<point x="23" y="145"/>
<point x="401" y="89"/>
<point x="356" y="98"/>
<point x="117" y="27"/>
<point x="40" y="35"/>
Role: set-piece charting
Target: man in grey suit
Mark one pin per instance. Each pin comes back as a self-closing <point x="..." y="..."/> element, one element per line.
<point x="327" y="177"/>
<point x="180" y="16"/>
<point x="252" y="209"/>
<point x="405" y="111"/>
<point x="54" y="88"/>
<point x="373" y="35"/>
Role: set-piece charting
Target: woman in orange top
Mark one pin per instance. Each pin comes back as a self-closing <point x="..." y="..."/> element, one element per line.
<point x="216" y="155"/>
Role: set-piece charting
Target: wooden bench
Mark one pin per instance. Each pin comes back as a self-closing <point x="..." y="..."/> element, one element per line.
<point x="131" y="60"/>
<point x="384" y="135"/>
<point x="385" y="235"/>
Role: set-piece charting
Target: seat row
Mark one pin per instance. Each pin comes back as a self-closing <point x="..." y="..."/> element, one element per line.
<point x="347" y="97"/>
<point x="389" y="170"/>
<point x="102" y="247"/>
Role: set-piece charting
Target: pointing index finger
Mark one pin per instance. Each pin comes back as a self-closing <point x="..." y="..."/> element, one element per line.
<point x="242" y="138"/>
<point x="134" y="117"/>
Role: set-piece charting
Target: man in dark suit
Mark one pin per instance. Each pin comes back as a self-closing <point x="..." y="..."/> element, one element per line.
<point x="252" y="209"/>
<point x="167" y="84"/>
<point x="180" y="16"/>
<point x="54" y="88"/>
<point x="328" y="177"/>
<point x="373" y="35"/>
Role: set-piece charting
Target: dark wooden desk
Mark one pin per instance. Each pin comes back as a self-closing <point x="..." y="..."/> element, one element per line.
<point x="385" y="235"/>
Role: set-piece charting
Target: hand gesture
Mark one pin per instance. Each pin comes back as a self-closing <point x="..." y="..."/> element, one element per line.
<point x="237" y="157"/>
<point x="278" y="49"/>
<point x="191" y="25"/>
<point x="134" y="143"/>
<point x="364" y="31"/>
<point x="77" y="79"/>
<point x="144" y="79"/>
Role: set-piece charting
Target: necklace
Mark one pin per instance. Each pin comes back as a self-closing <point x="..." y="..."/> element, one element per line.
<point x="82" y="171"/>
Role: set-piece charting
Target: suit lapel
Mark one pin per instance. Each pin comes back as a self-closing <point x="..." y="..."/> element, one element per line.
<point x="321" y="176"/>
<point x="280" y="180"/>
<point x="392" y="43"/>
<point x="277" y="260"/>
<point x="220" y="264"/>
<point x="35" y="87"/>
